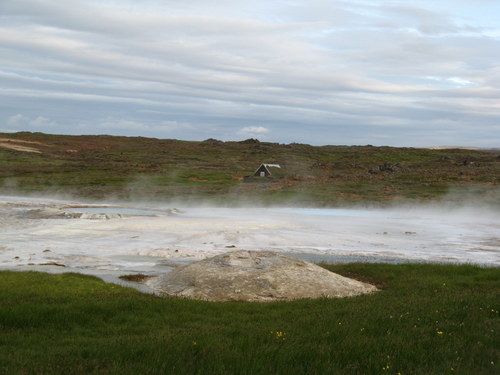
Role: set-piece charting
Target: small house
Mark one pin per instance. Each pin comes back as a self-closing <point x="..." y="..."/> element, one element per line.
<point x="264" y="170"/>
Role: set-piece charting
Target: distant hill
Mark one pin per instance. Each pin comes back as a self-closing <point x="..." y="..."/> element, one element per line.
<point x="136" y="167"/>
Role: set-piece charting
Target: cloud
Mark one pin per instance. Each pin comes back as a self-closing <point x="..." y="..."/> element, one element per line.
<point x="20" y="122"/>
<point x="254" y="130"/>
<point x="131" y="127"/>
<point x="17" y="120"/>
<point x="313" y="71"/>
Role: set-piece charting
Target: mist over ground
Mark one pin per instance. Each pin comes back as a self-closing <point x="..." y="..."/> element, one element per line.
<point x="110" y="239"/>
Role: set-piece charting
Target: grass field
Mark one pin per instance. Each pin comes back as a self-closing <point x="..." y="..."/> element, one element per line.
<point x="427" y="319"/>
<point x="134" y="168"/>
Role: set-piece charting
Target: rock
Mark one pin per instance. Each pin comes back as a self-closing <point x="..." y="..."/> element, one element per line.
<point x="385" y="167"/>
<point x="100" y="216"/>
<point x="468" y="161"/>
<point x="259" y="276"/>
<point x="213" y="141"/>
<point x="51" y="213"/>
<point x="53" y="264"/>
<point x="58" y="213"/>
<point x="250" y="141"/>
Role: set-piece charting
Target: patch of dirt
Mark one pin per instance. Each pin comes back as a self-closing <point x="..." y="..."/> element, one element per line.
<point x="137" y="278"/>
<point x="15" y="147"/>
<point x="52" y="264"/>
<point x="20" y="145"/>
<point x="258" y="276"/>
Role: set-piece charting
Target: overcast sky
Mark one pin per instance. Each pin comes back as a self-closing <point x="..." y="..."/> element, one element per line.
<point x="405" y="73"/>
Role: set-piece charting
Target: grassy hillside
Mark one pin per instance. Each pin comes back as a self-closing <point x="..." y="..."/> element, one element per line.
<point x="427" y="319"/>
<point x="124" y="167"/>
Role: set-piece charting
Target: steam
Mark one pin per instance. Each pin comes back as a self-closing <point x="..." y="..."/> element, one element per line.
<point x="117" y="237"/>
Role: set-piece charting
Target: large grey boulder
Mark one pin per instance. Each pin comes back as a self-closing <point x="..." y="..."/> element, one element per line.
<point x="255" y="276"/>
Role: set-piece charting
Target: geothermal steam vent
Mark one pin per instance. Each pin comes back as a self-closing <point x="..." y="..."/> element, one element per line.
<point x="255" y="276"/>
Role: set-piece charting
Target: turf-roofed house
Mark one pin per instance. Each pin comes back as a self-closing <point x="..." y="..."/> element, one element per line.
<point x="264" y="170"/>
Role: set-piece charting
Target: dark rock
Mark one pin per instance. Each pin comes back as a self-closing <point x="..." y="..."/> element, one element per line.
<point x="53" y="264"/>
<point x="213" y="141"/>
<point x="250" y="141"/>
<point x="385" y="167"/>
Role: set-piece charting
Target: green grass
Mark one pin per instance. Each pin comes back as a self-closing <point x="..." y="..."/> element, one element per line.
<point x="427" y="319"/>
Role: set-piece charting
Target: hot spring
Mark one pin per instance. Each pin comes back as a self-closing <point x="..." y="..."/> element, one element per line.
<point x="108" y="240"/>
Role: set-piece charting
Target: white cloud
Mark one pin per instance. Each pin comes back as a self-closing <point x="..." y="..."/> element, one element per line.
<point x="17" y="121"/>
<point x="254" y="130"/>
<point x="460" y="81"/>
<point x="41" y="122"/>
<point x="20" y="122"/>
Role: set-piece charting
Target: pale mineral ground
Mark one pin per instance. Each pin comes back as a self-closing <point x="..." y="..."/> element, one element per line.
<point x="113" y="239"/>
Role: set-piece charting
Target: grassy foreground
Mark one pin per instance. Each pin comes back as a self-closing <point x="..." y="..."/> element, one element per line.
<point x="428" y="319"/>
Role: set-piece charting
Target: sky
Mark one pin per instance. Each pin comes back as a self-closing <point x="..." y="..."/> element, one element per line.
<point x="398" y="73"/>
